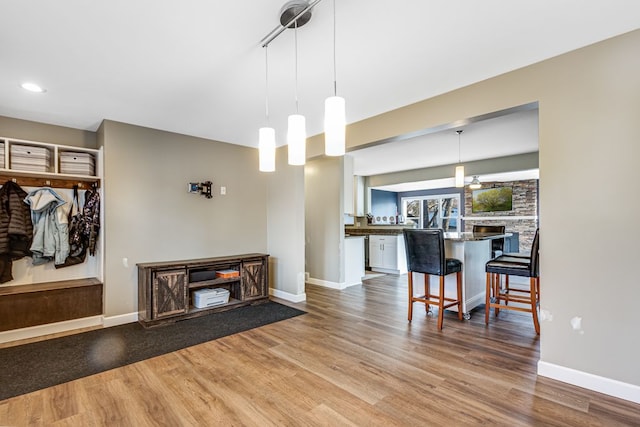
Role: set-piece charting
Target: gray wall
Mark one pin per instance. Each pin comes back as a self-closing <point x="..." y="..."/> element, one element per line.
<point x="41" y="132"/>
<point x="589" y="104"/>
<point x="286" y="228"/>
<point x="150" y="216"/>
<point x="324" y="192"/>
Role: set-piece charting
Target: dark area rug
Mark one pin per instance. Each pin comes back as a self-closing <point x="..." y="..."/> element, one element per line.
<point x="38" y="365"/>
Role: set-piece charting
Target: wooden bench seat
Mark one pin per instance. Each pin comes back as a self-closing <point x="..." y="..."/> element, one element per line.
<point x="35" y="304"/>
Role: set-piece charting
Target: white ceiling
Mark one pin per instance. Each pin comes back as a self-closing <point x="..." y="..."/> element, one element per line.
<point x="515" y="133"/>
<point x="196" y="67"/>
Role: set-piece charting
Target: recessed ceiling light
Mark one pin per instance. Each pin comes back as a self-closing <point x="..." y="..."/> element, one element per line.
<point x="32" y="87"/>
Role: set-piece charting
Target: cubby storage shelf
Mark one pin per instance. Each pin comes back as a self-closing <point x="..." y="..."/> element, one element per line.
<point x="47" y="170"/>
<point x="213" y="282"/>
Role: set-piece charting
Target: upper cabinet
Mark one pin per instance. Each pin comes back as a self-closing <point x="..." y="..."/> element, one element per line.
<point x="38" y="163"/>
<point x="353" y="190"/>
<point x="358" y="195"/>
<point x="348" y="185"/>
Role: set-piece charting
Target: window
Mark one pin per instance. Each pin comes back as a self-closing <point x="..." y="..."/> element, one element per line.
<point x="440" y="211"/>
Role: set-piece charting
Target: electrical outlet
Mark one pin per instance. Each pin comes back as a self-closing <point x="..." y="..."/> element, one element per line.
<point x="223" y="190"/>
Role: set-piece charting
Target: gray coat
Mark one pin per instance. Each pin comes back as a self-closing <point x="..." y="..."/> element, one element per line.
<point x="50" y="230"/>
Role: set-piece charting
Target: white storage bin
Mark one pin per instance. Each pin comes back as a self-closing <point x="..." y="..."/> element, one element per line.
<point x="30" y="158"/>
<point x="210" y="297"/>
<point x="77" y="163"/>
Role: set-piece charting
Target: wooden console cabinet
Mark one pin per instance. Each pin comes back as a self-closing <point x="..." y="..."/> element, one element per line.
<point x="165" y="289"/>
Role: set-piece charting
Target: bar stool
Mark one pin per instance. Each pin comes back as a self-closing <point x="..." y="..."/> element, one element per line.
<point x="425" y="254"/>
<point x="527" y="299"/>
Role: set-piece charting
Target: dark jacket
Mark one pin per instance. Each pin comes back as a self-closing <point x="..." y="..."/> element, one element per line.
<point x="16" y="229"/>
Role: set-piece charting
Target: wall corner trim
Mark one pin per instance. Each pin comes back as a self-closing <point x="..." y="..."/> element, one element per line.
<point x="597" y="383"/>
<point x="332" y="285"/>
<point x="288" y="296"/>
<point x="119" y="319"/>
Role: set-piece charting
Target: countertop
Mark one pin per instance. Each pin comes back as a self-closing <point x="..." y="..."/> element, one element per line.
<point x="469" y="236"/>
<point x="375" y="229"/>
<point x="391" y="230"/>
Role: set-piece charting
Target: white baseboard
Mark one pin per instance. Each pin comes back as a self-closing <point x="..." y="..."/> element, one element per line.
<point x="66" y="326"/>
<point x="287" y="296"/>
<point x="603" y="385"/>
<point x="120" y="319"/>
<point x="332" y="285"/>
<point x="49" y="328"/>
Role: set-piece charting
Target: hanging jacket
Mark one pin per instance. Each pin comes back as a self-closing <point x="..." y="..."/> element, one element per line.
<point x="50" y="234"/>
<point x="91" y="212"/>
<point x="16" y="230"/>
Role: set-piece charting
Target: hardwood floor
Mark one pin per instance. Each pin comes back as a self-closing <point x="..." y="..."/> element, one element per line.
<point x="352" y="360"/>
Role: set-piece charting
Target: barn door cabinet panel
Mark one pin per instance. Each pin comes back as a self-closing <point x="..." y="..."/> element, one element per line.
<point x="167" y="290"/>
<point x="254" y="279"/>
<point x="169" y="293"/>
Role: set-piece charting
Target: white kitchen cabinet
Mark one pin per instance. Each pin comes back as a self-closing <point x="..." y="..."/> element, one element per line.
<point x="358" y="195"/>
<point x="354" y="260"/>
<point x="387" y="254"/>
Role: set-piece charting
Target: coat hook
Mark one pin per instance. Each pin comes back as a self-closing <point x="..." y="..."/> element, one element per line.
<point x="14" y="180"/>
<point x="47" y="182"/>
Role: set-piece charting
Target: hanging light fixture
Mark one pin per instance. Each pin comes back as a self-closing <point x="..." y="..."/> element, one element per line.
<point x="459" y="168"/>
<point x="294" y="14"/>
<point x="475" y="183"/>
<point x="267" y="135"/>
<point x="296" y="133"/>
<point x="334" y="111"/>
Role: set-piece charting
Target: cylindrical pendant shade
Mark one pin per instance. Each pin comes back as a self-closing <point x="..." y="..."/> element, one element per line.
<point x="460" y="176"/>
<point x="334" y="126"/>
<point x="296" y="139"/>
<point x="267" y="149"/>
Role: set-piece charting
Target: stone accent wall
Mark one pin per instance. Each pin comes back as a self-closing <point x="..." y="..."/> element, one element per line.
<point x="525" y="203"/>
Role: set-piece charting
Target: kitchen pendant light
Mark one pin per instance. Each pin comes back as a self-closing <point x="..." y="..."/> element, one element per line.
<point x="267" y="135"/>
<point x="475" y="183"/>
<point x="459" y="168"/>
<point x="296" y="133"/>
<point x="334" y="111"/>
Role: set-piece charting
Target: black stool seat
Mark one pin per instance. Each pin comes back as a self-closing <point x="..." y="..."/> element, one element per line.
<point x="518" y="254"/>
<point x="452" y="265"/>
<point x="509" y="265"/>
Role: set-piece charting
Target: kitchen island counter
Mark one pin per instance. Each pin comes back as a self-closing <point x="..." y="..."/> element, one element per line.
<point x="376" y="229"/>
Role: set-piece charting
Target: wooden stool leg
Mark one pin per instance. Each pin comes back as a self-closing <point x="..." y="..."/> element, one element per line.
<point x="441" y="303"/>
<point x="534" y="304"/>
<point x="459" y="290"/>
<point x="427" y="292"/>
<point x="410" y="278"/>
<point x="487" y="304"/>
<point x="506" y="288"/>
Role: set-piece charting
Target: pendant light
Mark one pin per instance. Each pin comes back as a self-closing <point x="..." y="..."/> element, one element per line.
<point x="267" y="135"/>
<point x="334" y="111"/>
<point x="475" y="183"/>
<point x="459" y="168"/>
<point x="296" y="133"/>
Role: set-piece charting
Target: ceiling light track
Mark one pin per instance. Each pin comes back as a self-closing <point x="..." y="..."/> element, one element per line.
<point x="300" y="18"/>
